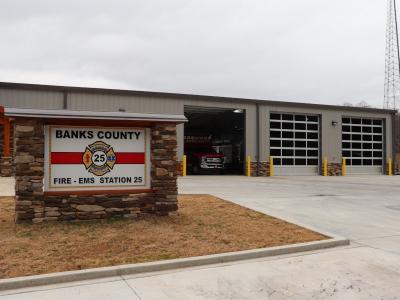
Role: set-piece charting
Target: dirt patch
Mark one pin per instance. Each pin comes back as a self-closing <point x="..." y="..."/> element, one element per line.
<point x="203" y="225"/>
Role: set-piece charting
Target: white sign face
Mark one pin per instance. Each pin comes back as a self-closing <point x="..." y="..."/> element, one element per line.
<point x="94" y="158"/>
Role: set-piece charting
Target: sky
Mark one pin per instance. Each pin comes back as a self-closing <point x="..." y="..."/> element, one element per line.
<point x="315" y="51"/>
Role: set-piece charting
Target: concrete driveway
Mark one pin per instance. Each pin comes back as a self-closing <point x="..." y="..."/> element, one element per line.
<point x="7" y="186"/>
<point x="365" y="209"/>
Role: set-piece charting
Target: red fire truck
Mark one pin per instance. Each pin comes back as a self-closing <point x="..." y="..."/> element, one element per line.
<point x="202" y="157"/>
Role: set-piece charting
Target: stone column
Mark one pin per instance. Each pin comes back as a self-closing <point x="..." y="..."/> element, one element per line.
<point x="6" y="167"/>
<point x="164" y="168"/>
<point x="334" y="169"/>
<point x="29" y="167"/>
<point x="263" y="169"/>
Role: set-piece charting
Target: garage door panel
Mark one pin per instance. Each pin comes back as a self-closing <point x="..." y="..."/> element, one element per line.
<point x="294" y="143"/>
<point x="362" y="145"/>
<point x="295" y="170"/>
<point x="364" y="170"/>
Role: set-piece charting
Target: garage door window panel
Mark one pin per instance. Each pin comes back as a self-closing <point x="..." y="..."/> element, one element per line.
<point x="362" y="141"/>
<point x="298" y="142"/>
<point x="275" y="134"/>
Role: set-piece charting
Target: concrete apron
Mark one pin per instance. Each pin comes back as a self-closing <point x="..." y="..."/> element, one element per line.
<point x="97" y="273"/>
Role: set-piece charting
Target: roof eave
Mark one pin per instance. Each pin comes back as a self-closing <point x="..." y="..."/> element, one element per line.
<point x="90" y="115"/>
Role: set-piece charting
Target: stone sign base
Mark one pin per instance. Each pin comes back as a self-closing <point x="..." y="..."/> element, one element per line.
<point x="33" y="204"/>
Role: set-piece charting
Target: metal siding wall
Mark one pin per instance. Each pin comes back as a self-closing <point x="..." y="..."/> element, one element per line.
<point x="180" y="139"/>
<point x="101" y="102"/>
<point x="389" y="139"/>
<point x="31" y="99"/>
<point x="331" y="137"/>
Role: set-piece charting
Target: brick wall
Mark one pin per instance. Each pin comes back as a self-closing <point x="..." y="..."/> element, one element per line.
<point x="32" y="204"/>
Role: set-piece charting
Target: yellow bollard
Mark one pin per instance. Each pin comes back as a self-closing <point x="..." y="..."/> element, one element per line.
<point x="344" y="166"/>
<point x="390" y="167"/>
<point x="325" y="166"/>
<point x="248" y="166"/>
<point x="184" y="165"/>
<point x="271" y="166"/>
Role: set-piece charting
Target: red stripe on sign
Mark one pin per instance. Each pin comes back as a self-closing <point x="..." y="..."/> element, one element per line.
<point x="128" y="158"/>
<point x="75" y="158"/>
<point x="66" y="158"/>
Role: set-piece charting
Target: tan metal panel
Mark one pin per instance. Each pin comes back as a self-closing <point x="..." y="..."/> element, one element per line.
<point x="139" y="104"/>
<point x="19" y="98"/>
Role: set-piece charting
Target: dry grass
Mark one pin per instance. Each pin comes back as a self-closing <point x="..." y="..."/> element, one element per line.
<point x="203" y="225"/>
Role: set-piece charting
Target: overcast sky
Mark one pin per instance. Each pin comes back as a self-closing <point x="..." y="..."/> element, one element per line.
<point x="308" y="51"/>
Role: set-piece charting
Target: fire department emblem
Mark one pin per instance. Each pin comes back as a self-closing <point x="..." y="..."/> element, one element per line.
<point x="99" y="158"/>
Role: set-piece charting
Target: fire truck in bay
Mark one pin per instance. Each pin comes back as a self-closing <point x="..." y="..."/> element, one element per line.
<point x="202" y="158"/>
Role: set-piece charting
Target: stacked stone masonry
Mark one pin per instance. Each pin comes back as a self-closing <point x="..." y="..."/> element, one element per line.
<point x="263" y="169"/>
<point x="32" y="204"/>
<point x="334" y="169"/>
<point x="6" y="167"/>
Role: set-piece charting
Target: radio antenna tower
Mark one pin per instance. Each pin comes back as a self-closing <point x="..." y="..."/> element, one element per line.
<point x="392" y="64"/>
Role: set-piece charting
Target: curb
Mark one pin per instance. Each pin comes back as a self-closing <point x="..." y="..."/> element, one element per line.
<point x="96" y="273"/>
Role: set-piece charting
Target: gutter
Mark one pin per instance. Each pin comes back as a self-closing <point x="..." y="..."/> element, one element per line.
<point x="91" y="115"/>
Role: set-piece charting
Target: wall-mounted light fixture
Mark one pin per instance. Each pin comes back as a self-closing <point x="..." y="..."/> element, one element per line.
<point x="238" y="111"/>
<point x="334" y="123"/>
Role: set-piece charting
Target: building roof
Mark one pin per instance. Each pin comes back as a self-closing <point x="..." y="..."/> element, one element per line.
<point x="104" y="91"/>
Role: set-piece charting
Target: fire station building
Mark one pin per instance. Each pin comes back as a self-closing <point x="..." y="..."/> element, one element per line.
<point x="222" y="133"/>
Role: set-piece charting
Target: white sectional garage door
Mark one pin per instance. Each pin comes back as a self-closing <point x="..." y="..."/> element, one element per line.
<point x="362" y="145"/>
<point x="294" y="143"/>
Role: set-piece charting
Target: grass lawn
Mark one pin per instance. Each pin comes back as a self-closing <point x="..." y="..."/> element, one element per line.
<point x="203" y="225"/>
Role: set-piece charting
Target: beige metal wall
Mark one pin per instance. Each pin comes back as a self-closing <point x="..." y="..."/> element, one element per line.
<point x="18" y="98"/>
<point x="331" y="137"/>
<point x="139" y="104"/>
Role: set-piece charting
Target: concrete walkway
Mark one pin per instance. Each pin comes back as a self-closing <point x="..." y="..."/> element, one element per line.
<point x="7" y="186"/>
<point x="366" y="209"/>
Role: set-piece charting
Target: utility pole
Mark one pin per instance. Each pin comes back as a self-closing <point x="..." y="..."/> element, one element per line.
<point x="392" y="59"/>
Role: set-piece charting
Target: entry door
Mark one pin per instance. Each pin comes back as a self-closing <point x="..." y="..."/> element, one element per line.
<point x="294" y="143"/>
<point x="362" y="145"/>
